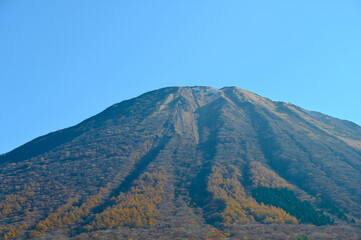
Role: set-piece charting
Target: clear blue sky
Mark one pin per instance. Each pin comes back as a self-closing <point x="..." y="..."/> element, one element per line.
<point x="62" y="61"/>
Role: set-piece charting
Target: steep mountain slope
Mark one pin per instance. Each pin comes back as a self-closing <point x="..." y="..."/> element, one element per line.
<point x="187" y="162"/>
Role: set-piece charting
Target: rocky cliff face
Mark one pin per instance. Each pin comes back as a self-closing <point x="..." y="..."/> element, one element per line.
<point x="188" y="159"/>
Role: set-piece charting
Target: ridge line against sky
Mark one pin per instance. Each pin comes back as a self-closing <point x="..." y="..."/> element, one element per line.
<point x="63" y="61"/>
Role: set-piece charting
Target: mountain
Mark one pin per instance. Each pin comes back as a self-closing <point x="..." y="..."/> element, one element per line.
<point x="188" y="163"/>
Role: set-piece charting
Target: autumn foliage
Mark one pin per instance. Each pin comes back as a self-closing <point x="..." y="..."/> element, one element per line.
<point x="68" y="214"/>
<point x="136" y="208"/>
<point x="15" y="202"/>
<point x="262" y="176"/>
<point x="225" y="185"/>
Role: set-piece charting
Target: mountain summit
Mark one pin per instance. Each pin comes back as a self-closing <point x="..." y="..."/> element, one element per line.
<point x="187" y="162"/>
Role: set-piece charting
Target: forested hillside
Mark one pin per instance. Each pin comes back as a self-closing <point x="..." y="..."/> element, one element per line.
<point x="187" y="163"/>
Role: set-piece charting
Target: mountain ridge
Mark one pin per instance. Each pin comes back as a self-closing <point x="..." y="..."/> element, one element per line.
<point x="348" y="125"/>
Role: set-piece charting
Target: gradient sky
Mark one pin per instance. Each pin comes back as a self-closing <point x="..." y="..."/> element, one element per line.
<point x="62" y="61"/>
